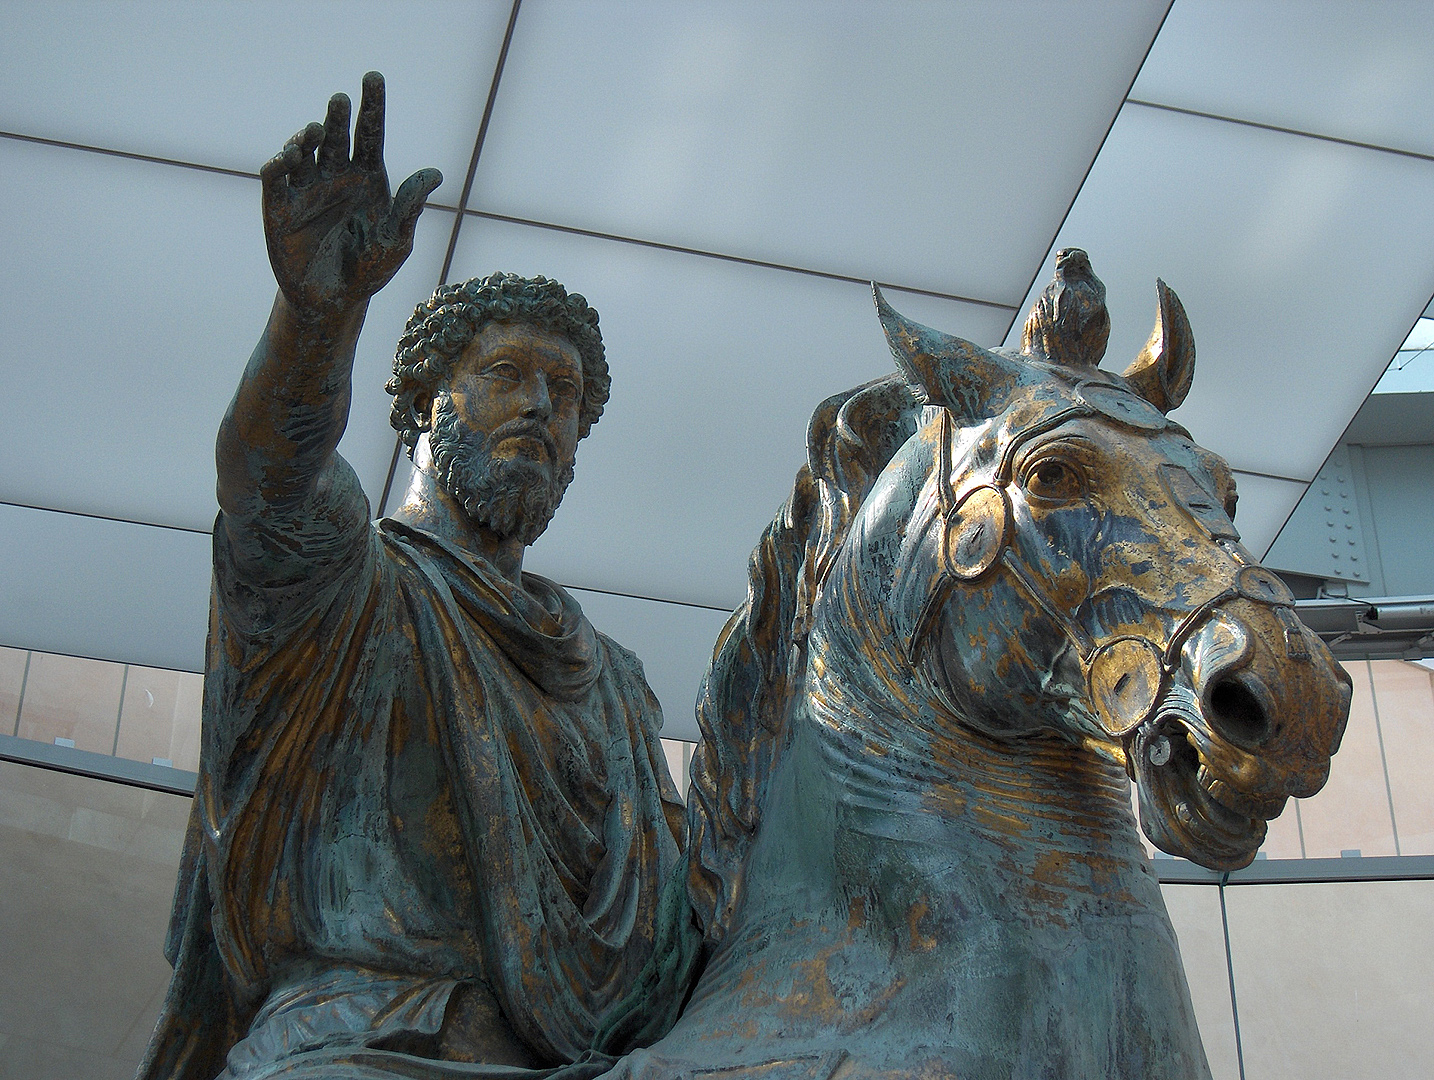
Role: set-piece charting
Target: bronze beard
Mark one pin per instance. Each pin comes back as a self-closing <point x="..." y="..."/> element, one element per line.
<point x="512" y="497"/>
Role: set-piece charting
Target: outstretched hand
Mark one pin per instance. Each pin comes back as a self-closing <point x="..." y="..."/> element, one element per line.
<point x="335" y="237"/>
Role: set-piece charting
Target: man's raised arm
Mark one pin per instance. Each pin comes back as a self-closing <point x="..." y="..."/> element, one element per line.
<point x="335" y="238"/>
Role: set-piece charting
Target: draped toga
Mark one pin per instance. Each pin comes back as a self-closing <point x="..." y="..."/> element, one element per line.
<point x="416" y="776"/>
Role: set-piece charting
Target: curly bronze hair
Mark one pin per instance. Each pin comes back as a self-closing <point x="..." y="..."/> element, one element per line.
<point x="444" y="324"/>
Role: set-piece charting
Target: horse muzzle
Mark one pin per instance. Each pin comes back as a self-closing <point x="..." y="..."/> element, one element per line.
<point x="1250" y="718"/>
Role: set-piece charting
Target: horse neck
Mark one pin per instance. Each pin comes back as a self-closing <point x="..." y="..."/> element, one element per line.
<point x="1036" y="826"/>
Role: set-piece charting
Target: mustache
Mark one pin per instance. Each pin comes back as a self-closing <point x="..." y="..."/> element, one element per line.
<point x="529" y="429"/>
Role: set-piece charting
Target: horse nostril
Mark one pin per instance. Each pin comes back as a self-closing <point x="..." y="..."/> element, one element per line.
<point x="1237" y="713"/>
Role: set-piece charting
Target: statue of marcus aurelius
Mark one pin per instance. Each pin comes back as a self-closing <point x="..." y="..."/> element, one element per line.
<point x="433" y="820"/>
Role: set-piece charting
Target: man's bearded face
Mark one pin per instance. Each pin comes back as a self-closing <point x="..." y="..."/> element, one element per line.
<point x="505" y="428"/>
<point x="512" y="496"/>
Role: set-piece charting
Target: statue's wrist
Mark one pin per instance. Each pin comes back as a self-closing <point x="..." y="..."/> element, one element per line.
<point x="327" y="319"/>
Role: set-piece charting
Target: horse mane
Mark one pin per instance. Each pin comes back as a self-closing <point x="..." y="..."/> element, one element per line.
<point x="758" y="664"/>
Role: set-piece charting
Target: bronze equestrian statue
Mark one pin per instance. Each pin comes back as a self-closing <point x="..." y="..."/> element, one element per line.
<point x="434" y="836"/>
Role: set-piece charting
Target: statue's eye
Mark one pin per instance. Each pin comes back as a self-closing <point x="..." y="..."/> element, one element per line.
<point x="504" y="370"/>
<point x="1053" y="479"/>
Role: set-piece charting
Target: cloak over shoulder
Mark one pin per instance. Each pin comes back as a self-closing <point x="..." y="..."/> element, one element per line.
<point x="413" y="767"/>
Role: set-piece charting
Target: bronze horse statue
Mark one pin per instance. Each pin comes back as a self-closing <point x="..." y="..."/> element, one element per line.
<point x="1005" y="585"/>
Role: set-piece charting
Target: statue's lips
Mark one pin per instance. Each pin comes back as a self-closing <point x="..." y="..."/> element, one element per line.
<point x="534" y="446"/>
<point x="532" y="440"/>
<point x="1197" y="819"/>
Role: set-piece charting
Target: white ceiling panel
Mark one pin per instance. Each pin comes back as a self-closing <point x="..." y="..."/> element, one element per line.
<point x="930" y="145"/>
<point x="110" y="590"/>
<point x="1359" y="71"/>
<point x="139" y="594"/>
<point x="226" y="83"/>
<point x="674" y="643"/>
<point x="1266" y="503"/>
<point x="716" y="368"/>
<point x="133" y="294"/>
<point x="1301" y="263"/>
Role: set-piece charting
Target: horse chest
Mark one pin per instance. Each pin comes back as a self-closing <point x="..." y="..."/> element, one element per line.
<point x="893" y="938"/>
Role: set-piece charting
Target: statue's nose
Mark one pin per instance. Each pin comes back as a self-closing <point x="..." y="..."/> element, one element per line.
<point x="1287" y="710"/>
<point x="1234" y="703"/>
<point x="1226" y="677"/>
<point x="539" y="405"/>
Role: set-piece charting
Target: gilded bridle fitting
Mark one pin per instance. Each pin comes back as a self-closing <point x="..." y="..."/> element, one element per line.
<point x="1127" y="675"/>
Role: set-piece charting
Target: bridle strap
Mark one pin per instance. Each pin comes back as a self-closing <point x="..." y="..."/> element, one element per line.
<point x="1168" y="649"/>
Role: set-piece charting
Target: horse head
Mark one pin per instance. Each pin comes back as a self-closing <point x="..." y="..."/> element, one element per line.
<point x="1063" y="559"/>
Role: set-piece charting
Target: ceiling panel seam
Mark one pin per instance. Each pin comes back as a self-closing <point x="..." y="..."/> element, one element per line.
<point x="107" y="517"/>
<point x="1090" y="166"/>
<point x="208" y="532"/>
<point x="1280" y="130"/>
<point x="128" y="154"/>
<point x="478" y="142"/>
<point x="740" y="259"/>
<point x="152" y="159"/>
<point x="649" y="599"/>
<point x="458" y="218"/>
<point x="7" y="644"/>
<point x="1268" y="476"/>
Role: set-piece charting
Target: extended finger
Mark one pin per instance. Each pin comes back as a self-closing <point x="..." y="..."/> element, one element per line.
<point x="368" y="129"/>
<point x="408" y="203"/>
<point x="304" y="143"/>
<point x="274" y="176"/>
<point x="334" y="151"/>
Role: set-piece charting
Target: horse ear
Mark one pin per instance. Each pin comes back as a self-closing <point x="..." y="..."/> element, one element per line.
<point x="1162" y="372"/>
<point x="945" y="370"/>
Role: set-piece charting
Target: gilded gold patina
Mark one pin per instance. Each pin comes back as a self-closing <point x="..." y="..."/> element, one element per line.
<point x="433" y="835"/>
<point x="1004" y="585"/>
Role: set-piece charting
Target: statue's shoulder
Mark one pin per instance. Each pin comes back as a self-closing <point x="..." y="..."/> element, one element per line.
<point x="620" y="657"/>
<point x="625" y="668"/>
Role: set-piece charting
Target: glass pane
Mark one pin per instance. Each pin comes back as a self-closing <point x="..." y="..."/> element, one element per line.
<point x="1234" y="251"/>
<point x="84" y="905"/>
<point x="679" y="758"/>
<point x="92" y="587"/>
<point x="1282" y="841"/>
<point x="1351" y="813"/>
<point x="1195" y="914"/>
<point x="12" y="678"/>
<point x="159" y="721"/>
<point x="158" y="225"/>
<point x="824" y="135"/>
<point x="203" y="82"/>
<point x="1404" y="693"/>
<point x="72" y="699"/>
<point x="1334" y="981"/>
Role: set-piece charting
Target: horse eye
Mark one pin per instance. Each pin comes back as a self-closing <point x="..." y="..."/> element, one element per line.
<point x="1052" y="479"/>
